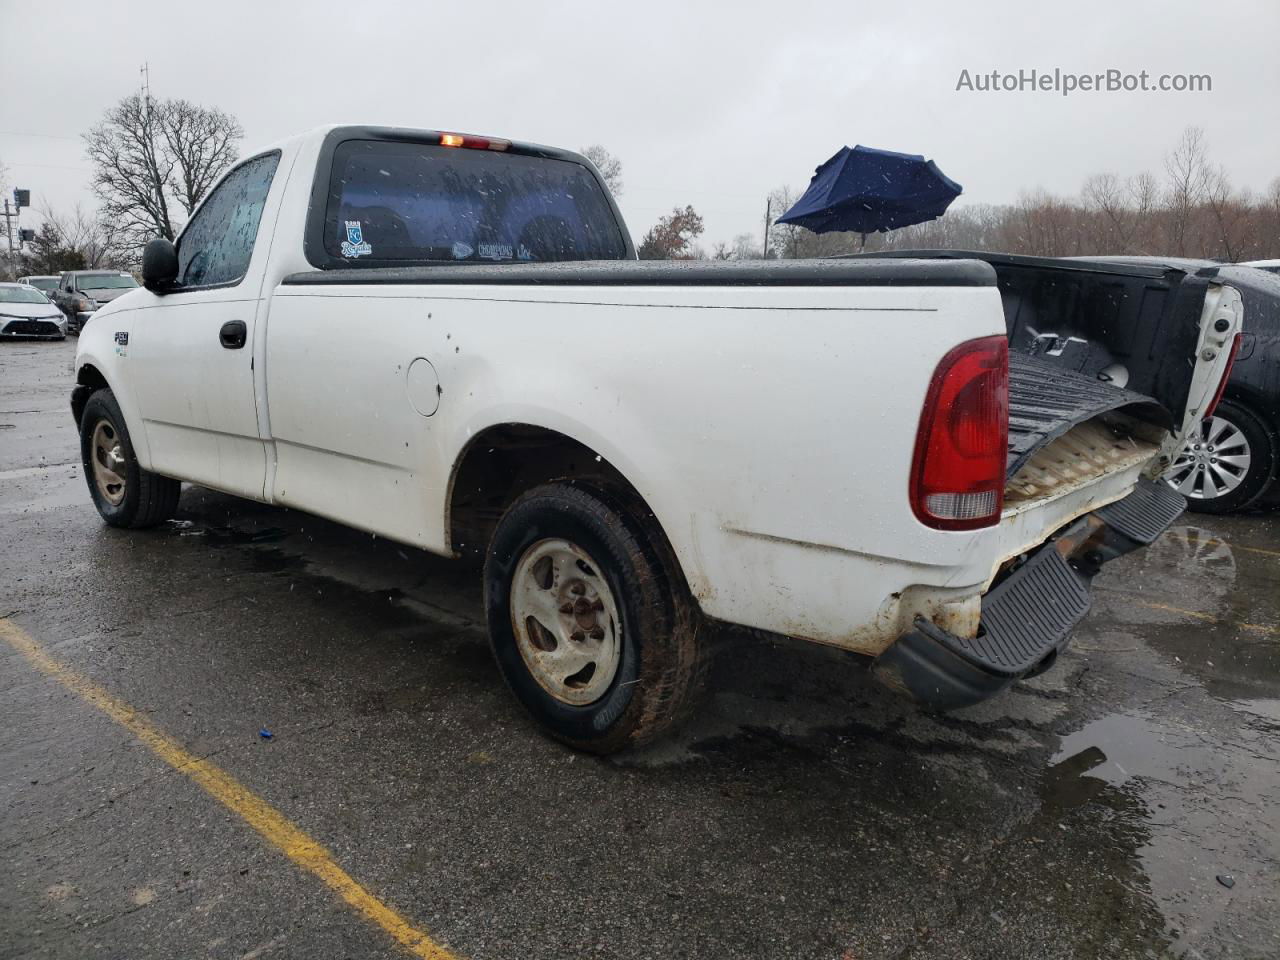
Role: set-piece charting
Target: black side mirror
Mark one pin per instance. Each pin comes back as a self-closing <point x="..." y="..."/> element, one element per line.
<point x="159" y="265"/>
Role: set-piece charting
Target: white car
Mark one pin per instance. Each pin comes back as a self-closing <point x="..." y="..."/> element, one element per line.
<point x="45" y="283"/>
<point x="27" y="313"/>
<point x="447" y="340"/>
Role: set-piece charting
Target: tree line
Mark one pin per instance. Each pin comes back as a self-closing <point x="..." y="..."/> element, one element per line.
<point x="1190" y="209"/>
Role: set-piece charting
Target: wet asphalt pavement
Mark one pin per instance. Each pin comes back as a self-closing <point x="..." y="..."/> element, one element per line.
<point x="1097" y="811"/>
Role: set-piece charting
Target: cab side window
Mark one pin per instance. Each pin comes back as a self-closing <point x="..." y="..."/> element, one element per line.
<point x="217" y="244"/>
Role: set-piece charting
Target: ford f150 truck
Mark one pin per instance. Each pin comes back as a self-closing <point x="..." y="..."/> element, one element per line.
<point x="447" y="340"/>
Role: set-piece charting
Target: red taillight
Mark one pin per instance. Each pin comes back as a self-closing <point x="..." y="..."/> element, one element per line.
<point x="473" y="143"/>
<point x="1226" y="375"/>
<point x="958" y="476"/>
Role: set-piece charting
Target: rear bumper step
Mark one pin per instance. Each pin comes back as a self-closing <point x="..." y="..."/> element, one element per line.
<point x="1027" y="618"/>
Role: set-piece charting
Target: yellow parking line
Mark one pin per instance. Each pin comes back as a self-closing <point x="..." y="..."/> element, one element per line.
<point x="251" y="808"/>
<point x="1218" y="542"/>
<point x="1269" y="553"/>
<point x="1208" y="618"/>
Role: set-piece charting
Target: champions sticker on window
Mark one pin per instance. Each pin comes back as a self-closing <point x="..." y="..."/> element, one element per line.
<point x="495" y="251"/>
<point x="355" y="245"/>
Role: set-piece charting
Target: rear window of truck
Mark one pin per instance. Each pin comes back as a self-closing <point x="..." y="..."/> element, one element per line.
<point x="412" y="202"/>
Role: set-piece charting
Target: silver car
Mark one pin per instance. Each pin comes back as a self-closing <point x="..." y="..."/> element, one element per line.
<point x="26" y="312"/>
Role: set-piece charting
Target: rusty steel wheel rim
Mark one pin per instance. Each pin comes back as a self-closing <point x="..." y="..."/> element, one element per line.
<point x="565" y="621"/>
<point x="107" y="459"/>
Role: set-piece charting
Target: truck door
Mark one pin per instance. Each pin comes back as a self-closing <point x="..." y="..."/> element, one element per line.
<point x="193" y="352"/>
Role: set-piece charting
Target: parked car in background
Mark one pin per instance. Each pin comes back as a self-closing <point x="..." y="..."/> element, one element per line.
<point x="44" y="283"/>
<point x="81" y="292"/>
<point x="386" y="327"/>
<point x="26" y="312"/>
<point x="1234" y="462"/>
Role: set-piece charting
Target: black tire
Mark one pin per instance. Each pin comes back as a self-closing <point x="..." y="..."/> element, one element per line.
<point x="148" y="498"/>
<point x="661" y="662"/>
<point x="1262" y="466"/>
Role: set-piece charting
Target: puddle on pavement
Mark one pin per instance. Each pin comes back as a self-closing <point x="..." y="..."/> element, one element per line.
<point x="1188" y="786"/>
<point x="1210" y="608"/>
<point x="226" y="535"/>
<point x="1191" y="806"/>
<point x="1116" y="749"/>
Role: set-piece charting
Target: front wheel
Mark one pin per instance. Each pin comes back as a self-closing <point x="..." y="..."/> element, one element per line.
<point x="1227" y="463"/>
<point x="592" y="628"/>
<point x="125" y="494"/>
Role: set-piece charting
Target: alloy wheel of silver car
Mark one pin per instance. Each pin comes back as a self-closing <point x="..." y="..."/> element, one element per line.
<point x="565" y="621"/>
<point x="1213" y="463"/>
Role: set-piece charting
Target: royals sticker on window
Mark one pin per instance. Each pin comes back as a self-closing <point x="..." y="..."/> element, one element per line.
<point x="355" y="244"/>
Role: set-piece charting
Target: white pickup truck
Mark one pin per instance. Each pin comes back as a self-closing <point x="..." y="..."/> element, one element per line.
<point x="446" y="340"/>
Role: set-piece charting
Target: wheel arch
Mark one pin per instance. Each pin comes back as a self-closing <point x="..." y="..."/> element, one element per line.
<point x="91" y="375"/>
<point x="88" y="379"/>
<point x="1266" y="410"/>
<point x="1257" y="401"/>
<point x="505" y="459"/>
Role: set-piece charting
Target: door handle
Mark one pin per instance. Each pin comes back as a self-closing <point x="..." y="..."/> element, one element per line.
<point x="233" y="334"/>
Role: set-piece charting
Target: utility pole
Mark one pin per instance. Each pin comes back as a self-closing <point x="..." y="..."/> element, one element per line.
<point x="8" y="231"/>
<point x="768" y="209"/>
<point x="144" y="91"/>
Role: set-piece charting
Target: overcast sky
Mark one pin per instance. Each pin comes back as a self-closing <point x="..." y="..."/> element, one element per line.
<point x="711" y="104"/>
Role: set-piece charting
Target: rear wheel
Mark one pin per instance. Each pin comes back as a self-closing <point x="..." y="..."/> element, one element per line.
<point x="125" y="494"/>
<point x="1227" y="463"/>
<point x="592" y="629"/>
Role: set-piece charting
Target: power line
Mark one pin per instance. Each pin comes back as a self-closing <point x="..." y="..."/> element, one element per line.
<point x="52" y="166"/>
<point x="45" y="136"/>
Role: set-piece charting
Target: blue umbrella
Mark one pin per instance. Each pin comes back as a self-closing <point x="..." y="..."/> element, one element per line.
<point x="870" y="191"/>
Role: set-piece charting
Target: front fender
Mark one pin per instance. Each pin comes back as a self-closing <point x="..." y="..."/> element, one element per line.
<point x="102" y="358"/>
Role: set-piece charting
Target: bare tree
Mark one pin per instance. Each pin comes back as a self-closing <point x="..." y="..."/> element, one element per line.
<point x="1188" y="173"/>
<point x="1105" y="194"/>
<point x="1269" y="222"/>
<point x="153" y="157"/>
<point x="81" y="231"/>
<point x="610" y="167"/>
<point x="785" y="239"/>
<point x="203" y="142"/>
<point x="47" y="254"/>
<point x="744" y="247"/>
<point x="69" y="241"/>
<point x="129" y="170"/>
